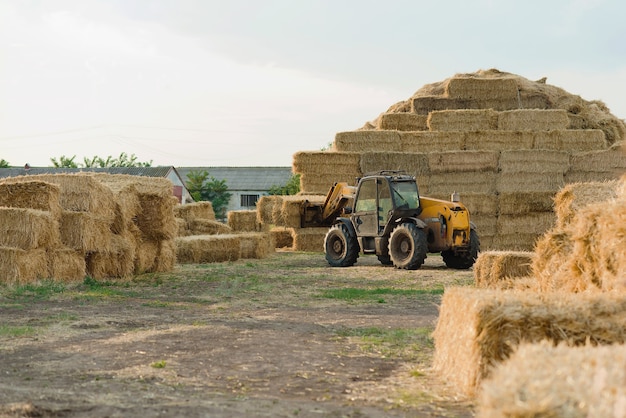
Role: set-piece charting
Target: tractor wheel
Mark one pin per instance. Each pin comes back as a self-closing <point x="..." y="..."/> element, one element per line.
<point x="464" y="260"/>
<point x="408" y="246"/>
<point x="341" y="248"/>
<point x="385" y="260"/>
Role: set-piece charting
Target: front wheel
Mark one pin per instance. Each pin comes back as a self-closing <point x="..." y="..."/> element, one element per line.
<point x="408" y="246"/>
<point x="341" y="247"/>
<point x="463" y="260"/>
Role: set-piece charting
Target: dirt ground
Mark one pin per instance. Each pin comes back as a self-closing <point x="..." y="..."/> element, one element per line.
<point x="285" y="336"/>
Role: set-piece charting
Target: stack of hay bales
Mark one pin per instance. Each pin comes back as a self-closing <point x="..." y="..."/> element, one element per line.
<point x="505" y="143"/>
<point x="94" y="224"/>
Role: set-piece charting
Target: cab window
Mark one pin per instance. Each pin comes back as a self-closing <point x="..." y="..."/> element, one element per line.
<point x="366" y="201"/>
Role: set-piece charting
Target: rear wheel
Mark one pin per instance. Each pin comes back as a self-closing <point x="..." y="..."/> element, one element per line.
<point x="385" y="260"/>
<point x="463" y="260"/>
<point x="341" y="247"/>
<point x="408" y="246"/>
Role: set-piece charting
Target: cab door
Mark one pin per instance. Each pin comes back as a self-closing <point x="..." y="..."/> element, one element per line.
<point x="365" y="215"/>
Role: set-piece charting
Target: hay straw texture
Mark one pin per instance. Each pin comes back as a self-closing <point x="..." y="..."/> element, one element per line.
<point x="19" y="266"/>
<point x="498" y="140"/>
<point x="532" y="120"/>
<point x="500" y="269"/>
<point x="575" y="196"/>
<point x="320" y="170"/>
<point x="66" y="264"/>
<point x="256" y="245"/>
<point x="413" y="163"/>
<point x="207" y="227"/>
<point x="117" y="261"/>
<point x="282" y="237"/>
<point x="541" y="380"/>
<point x="570" y="140"/>
<point x="243" y="221"/>
<point x="309" y="239"/>
<point x="265" y="209"/>
<point x="208" y="248"/>
<point x="461" y="161"/>
<point x="288" y="214"/>
<point x="463" y="120"/>
<point x="463" y="87"/>
<point x="196" y="210"/>
<point x="534" y="161"/>
<point x="85" y="232"/>
<point x="37" y="195"/>
<point x="467" y="182"/>
<point x="612" y="160"/>
<point x="518" y="203"/>
<point x="414" y="142"/>
<point x="27" y="228"/>
<point x="478" y="329"/>
<point x="402" y="122"/>
<point x="525" y="182"/>
<point x="362" y="141"/>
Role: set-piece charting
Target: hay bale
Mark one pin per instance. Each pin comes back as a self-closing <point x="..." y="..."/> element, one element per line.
<point x="156" y="217"/>
<point x="413" y="163"/>
<point x="570" y="140"/>
<point x="403" y="121"/>
<point x="85" y="232"/>
<point x="467" y="182"/>
<point x="243" y="221"/>
<point x="323" y="162"/>
<point x="461" y="87"/>
<point x="18" y="266"/>
<point x="37" y="195"/>
<point x="462" y="161"/>
<point x="498" y="140"/>
<point x="463" y="120"/>
<point x="166" y="257"/>
<point x="611" y="162"/>
<point x="531" y="222"/>
<point x="362" y="141"/>
<point x="575" y="196"/>
<point x="256" y="245"/>
<point x="28" y="228"/>
<point x="319" y="184"/>
<point x="534" y="161"/>
<point x="208" y="248"/>
<point x="518" y="203"/>
<point x="532" y="120"/>
<point x="117" y="261"/>
<point x="499" y="269"/>
<point x="265" y="209"/>
<point x="423" y="105"/>
<point x="195" y="210"/>
<point x="208" y="227"/>
<point x="520" y="241"/>
<point x="525" y="182"/>
<point x="551" y="265"/>
<point x="66" y="264"/>
<point x="544" y="380"/>
<point x="419" y="142"/>
<point x="309" y="239"/>
<point x="282" y="237"/>
<point x="478" y="329"/>
<point x="290" y="211"/>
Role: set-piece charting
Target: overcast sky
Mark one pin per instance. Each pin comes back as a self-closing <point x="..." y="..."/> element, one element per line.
<point x="251" y="82"/>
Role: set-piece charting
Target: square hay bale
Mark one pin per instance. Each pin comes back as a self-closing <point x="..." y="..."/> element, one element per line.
<point x="208" y="248"/>
<point x="485" y="224"/>
<point x="534" y="161"/>
<point x="166" y="258"/>
<point x="519" y="203"/>
<point x="541" y="380"/>
<point x="66" y="264"/>
<point x="265" y="209"/>
<point x="282" y="237"/>
<point x="462" y="161"/>
<point x="472" y="88"/>
<point x="420" y="142"/>
<point x="500" y="269"/>
<point x="208" y="227"/>
<point x="182" y="227"/>
<point x="325" y="163"/>
<point x="467" y="182"/>
<point x="319" y="184"/>
<point x="118" y="261"/>
<point x="28" y="228"/>
<point x="523" y="182"/>
<point x="290" y="211"/>
<point x="521" y="241"/>
<point x="423" y="105"/>
<point x="611" y="160"/>
<point x="403" y="121"/>
<point x="552" y="266"/>
<point x="361" y="141"/>
<point x="463" y="120"/>
<point x="195" y="210"/>
<point x="85" y="232"/>
<point x="256" y="245"/>
<point x="18" y="266"/>
<point x="309" y="239"/>
<point x="498" y="140"/>
<point x="155" y="256"/>
<point x="413" y="163"/>
<point x="531" y="222"/>
<point x="532" y="120"/>
<point x="478" y="329"/>
<point x="127" y="204"/>
<point x="570" y="140"/>
<point x="575" y="196"/>
<point x="156" y="217"/>
<point x="243" y="221"/>
<point x="37" y="195"/>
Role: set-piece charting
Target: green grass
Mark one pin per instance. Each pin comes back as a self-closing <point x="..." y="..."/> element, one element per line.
<point x="406" y="343"/>
<point x="45" y="289"/>
<point x="16" y="331"/>
<point x="351" y="293"/>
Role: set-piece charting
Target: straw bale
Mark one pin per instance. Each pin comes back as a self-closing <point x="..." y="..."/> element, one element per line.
<point x="66" y="264"/>
<point x="461" y="161"/>
<point x="551" y="266"/>
<point x="117" y="261"/>
<point x="575" y="196"/>
<point x="265" y="209"/>
<point x="243" y="221"/>
<point x="533" y="120"/>
<point x="256" y="244"/>
<point x="282" y="237"/>
<point x="413" y="163"/>
<point x="18" y="266"/>
<point x="431" y="141"/>
<point x="183" y="228"/>
<point x="463" y="120"/>
<point x="498" y="140"/>
<point x="485" y="224"/>
<point x="156" y="217"/>
<point x="127" y="204"/>
<point x="494" y="269"/>
<point x="534" y="161"/>
<point x="478" y="329"/>
<point x="403" y="121"/>
<point x="166" y="258"/>
<point x="531" y="222"/>
<point x="195" y="210"/>
<point x="478" y="203"/>
<point x="28" y="228"/>
<point x="146" y="253"/>
<point x="590" y="176"/>
<point x="291" y="209"/>
<point x="85" y="232"/>
<point x="208" y="248"/>
<point x="37" y="195"/>
<point x="309" y="239"/>
<point x="323" y="162"/>
<point x="482" y="88"/>
<point x="570" y="140"/>
<point x="523" y="182"/>
<point x="423" y="105"/>
<point x="208" y="227"/>
<point x="517" y="203"/>
<point x="319" y="184"/>
<point x="521" y="241"/>
<point x="543" y="380"/>
<point x="361" y="141"/>
<point x="612" y="160"/>
<point x="467" y="182"/>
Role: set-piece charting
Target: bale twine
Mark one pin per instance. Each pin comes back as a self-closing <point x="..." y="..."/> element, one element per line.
<point x="208" y="248"/>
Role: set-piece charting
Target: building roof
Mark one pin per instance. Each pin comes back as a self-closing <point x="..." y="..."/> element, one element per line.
<point x="134" y="171"/>
<point x="244" y="178"/>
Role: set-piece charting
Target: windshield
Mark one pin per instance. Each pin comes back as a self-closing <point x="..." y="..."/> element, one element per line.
<point x="405" y="194"/>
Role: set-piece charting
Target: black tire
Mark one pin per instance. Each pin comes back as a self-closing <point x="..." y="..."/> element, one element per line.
<point x="408" y="246"/>
<point x="385" y="260"/>
<point x="466" y="260"/>
<point x="341" y="247"/>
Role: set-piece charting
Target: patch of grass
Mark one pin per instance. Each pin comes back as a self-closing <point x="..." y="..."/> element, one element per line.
<point x="159" y="364"/>
<point x="351" y="293"/>
<point x="41" y="290"/>
<point x="405" y="343"/>
<point x="16" y="331"/>
<point x="96" y="288"/>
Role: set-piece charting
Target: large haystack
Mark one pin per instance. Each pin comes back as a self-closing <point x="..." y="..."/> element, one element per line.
<point x="509" y="140"/>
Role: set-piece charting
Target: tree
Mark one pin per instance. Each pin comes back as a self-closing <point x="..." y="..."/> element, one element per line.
<point x="203" y="187"/>
<point x="290" y="188"/>
<point x="4" y="163"/>
<point x="64" y="162"/>
<point x="124" y="160"/>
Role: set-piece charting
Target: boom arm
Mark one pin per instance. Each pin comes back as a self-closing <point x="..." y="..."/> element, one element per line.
<point x="336" y="200"/>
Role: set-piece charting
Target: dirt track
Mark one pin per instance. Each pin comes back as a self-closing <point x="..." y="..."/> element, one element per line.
<point x="276" y="337"/>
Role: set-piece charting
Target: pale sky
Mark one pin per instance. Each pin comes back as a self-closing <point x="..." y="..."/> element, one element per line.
<point x="251" y="82"/>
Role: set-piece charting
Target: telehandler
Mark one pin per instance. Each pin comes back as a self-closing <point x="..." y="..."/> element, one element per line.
<point x="389" y="218"/>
